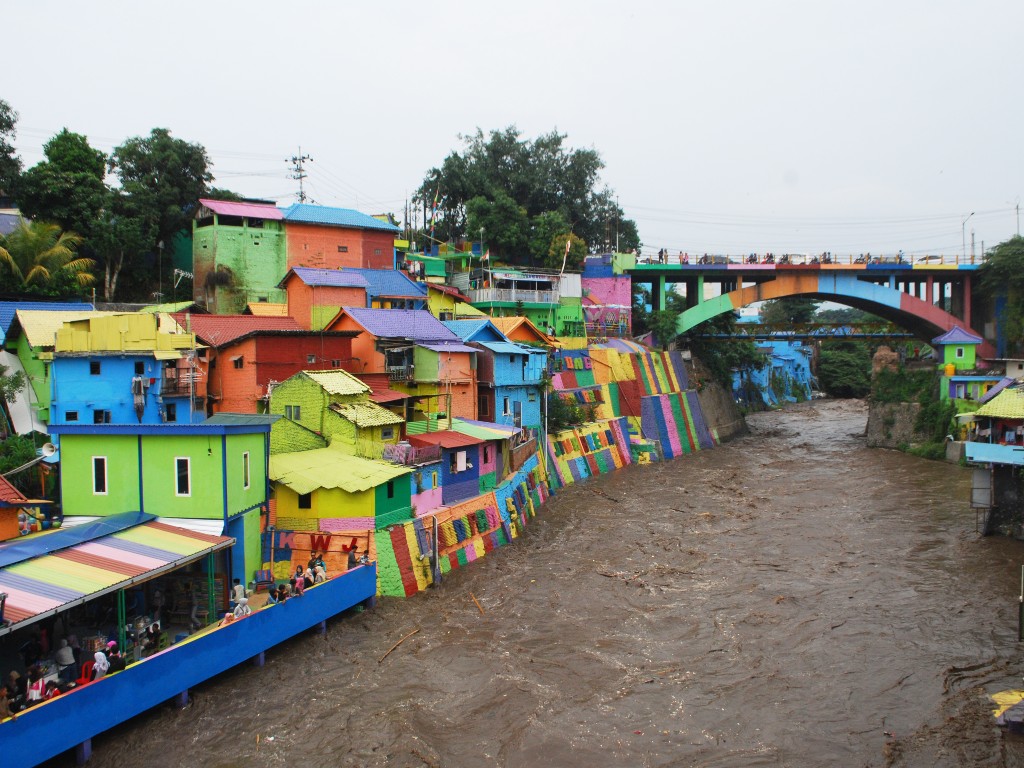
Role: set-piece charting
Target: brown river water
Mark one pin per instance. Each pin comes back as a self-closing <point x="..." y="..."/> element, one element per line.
<point x="791" y="598"/>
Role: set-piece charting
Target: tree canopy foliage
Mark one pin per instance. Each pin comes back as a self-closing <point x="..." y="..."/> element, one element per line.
<point x="794" y="310"/>
<point x="10" y="163"/>
<point x="1002" y="275"/>
<point x="523" y="193"/>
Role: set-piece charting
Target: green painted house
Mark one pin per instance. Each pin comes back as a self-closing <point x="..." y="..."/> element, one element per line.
<point x="239" y="253"/>
<point x="210" y="477"/>
<point x="959" y="348"/>
<point x="335" y="406"/>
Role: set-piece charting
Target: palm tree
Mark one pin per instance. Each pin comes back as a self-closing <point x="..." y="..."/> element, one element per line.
<point x="37" y="253"/>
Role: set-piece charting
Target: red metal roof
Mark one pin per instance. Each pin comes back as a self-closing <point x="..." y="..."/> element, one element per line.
<point x="380" y="390"/>
<point x="448" y="290"/>
<point x="445" y="438"/>
<point x="218" y="330"/>
<point x="8" y="493"/>
<point x="252" y="210"/>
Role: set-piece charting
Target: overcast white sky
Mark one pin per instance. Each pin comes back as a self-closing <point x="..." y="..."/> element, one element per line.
<point x="725" y="127"/>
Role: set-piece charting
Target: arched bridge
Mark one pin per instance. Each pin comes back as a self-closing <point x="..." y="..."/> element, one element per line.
<point x="910" y="295"/>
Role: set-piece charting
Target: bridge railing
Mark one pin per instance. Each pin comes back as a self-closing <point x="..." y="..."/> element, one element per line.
<point x="801" y="258"/>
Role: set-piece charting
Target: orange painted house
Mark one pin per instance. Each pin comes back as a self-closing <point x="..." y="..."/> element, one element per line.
<point x="315" y="296"/>
<point x="332" y="238"/>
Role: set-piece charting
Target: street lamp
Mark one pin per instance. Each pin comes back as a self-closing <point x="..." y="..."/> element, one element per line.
<point x="963" y="234"/>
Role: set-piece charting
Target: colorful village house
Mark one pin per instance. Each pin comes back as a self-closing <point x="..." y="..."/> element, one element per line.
<point x="315" y="296"/>
<point x="124" y="369"/>
<point x="332" y="492"/>
<point x="549" y="301"/>
<point x="959" y="381"/>
<point x="460" y="465"/>
<point x="420" y="356"/>
<point x="447" y="303"/>
<point x="20" y="516"/>
<point x="20" y="416"/>
<point x="332" y="238"/>
<point x="31" y="337"/>
<point x="509" y="376"/>
<point x="239" y="253"/>
<point x="519" y="329"/>
<point x="607" y="298"/>
<point x="336" y="406"/>
<point x="210" y="478"/>
<point x="248" y="354"/>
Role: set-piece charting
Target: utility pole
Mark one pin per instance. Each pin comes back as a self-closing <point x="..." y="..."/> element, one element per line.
<point x="299" y="172"/>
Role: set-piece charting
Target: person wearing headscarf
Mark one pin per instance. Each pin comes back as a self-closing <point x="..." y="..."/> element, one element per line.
<point x="67" y="669"/>
<point x="319" y="574"/>
<point x="242" y="609"/>
<point x="100" y="665"/>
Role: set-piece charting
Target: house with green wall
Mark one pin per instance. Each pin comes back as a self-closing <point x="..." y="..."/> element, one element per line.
<point x="209" y="477"/>
<point x="239" y="253"/>
<point x="335" y="406"/>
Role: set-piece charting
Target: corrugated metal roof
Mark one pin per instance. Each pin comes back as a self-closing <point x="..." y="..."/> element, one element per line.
<point x="219" y="330"/>
<point x="41" y="586"/>
<point x="509" y="324"/>
<point x="415" y="324"/>
<point x="957" y="335"/>
<point x="445" y="438"/>
<point x="338" y="382"/>
<point x="507" y="348"/>
<point x="380" y="388"/>
<point x="485" y="430"/>
<point x="366" y="414"/>
<point x="334" y="278"/>
<point x="335" y="217"/>
<point x="447" y="289"/>
<point x="246" y="419"/>
<point x="41" y="326"/>
<point x="996" y="388"/>
<point x="307" y="471"/>
<point x="1008" y="404"/>
<point x="448" y="347"/>
<point x="252" y="210"/>
<point x="389" y="283"/>
<point x="475" y="330"/>
<point x="267" y="309"/>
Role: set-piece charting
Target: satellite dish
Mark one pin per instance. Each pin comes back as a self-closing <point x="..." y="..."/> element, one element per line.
<point x="48" y="450"/>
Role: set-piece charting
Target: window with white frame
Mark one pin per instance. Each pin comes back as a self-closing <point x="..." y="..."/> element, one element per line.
<point x="245" y="470"/>
<point x="99" y="475"/>
<point x="183" y="476"/>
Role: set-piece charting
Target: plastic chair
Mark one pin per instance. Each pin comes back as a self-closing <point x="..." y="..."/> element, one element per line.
<point x="85" y="676"/>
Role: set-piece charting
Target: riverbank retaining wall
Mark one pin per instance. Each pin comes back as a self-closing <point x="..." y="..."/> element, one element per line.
<point x="645" y="411"/>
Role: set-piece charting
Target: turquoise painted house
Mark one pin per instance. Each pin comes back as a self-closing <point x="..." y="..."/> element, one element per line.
<point x="209" y="477"/>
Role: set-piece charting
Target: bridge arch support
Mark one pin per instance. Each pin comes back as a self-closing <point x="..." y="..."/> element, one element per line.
<point x="921" y="318"/>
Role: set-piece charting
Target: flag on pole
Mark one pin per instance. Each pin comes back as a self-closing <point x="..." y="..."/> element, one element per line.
<point x="433" y="212"/>
<point x="486" y="256"/>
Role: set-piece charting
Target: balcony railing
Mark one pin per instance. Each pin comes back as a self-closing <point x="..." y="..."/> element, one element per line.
<point x="400" y="373"/>
<point x="512" y="295"/>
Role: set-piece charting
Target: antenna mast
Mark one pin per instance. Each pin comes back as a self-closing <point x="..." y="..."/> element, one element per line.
<point x="299" y="172"/>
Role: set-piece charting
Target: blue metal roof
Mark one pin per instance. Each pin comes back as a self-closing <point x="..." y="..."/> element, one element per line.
<point x="389" y="283"/>
<point x="8" y="221"/>
<point x="958" y="335"/>
<point x="475" y="330"/>
<point x="334" y="278"/>
<point x="9" y="308"/>
<point x="335" y="217"/>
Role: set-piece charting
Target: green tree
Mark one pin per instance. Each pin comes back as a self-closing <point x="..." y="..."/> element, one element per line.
<point x="161" y="180"/>
<point x="722" y="355"/>
<point x="556" y="253"/>
<point x="67" y="187"/>
<point x="117" y="240"/>
<point x="16" y="451"/>
<point x="539" y="176"/>
<point x="788" y="311"/>
<point x="38" y="257"/>
<point x="10" y="163"/>
<point x="1002" y="275"/>
<point x="846" y="315"/>
<point x="505" y="224"/>
<point x="543" y="229"/>
<point x="663" y="324"/>
<point x="844" y="369"/>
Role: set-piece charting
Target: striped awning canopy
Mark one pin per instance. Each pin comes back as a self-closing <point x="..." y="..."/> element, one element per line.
<point x="52" y="572"/>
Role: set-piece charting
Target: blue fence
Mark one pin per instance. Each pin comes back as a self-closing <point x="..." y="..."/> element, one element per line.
<point x="66" y="721"/>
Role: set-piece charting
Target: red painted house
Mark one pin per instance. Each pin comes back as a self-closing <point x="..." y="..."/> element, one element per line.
<point x="247" y="354"/>
<point x="331" y="238"/>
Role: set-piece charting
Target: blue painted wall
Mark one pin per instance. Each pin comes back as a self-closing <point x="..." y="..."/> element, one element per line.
<point x="459" y="486"/>
<point x="73" y="388"/>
